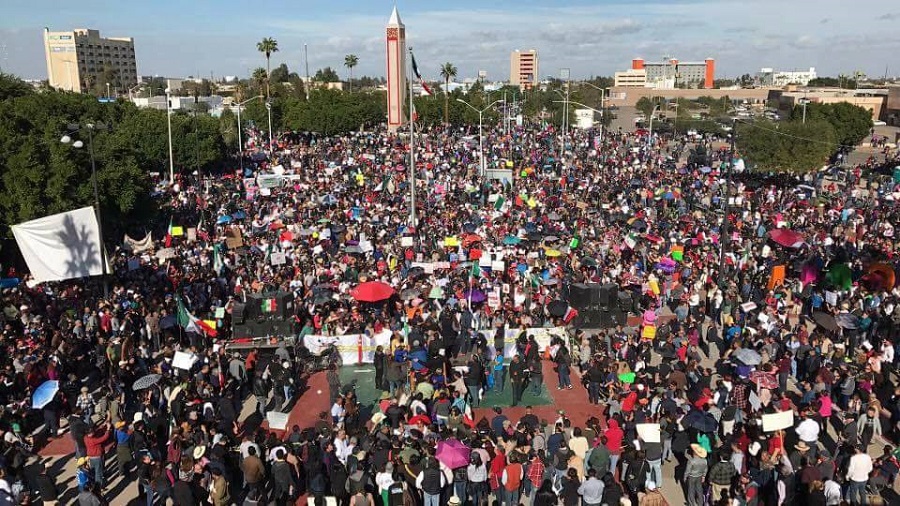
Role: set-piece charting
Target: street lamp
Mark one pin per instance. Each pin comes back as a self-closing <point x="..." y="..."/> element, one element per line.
<point x="240" y="139"/>
<point x="130" y="90"/>
<point x="562" y="139"/>
<point x="602" y="103"/>
<point x="67" y="139"/>
<point x="650" y="133"/>
<point x="107" y="91"/>
<point x="169" y="119"/>
<point x="269" y="110"/>
<point x="480" y="135"/>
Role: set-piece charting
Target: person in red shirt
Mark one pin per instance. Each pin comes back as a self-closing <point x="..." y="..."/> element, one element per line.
<point x="95" y="444"/>
<point x="614" y="436"/>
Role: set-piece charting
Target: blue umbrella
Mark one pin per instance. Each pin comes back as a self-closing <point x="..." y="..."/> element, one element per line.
<point x="706" y="170"/>
<point x="240" y="215"/>
<point x="511" y="240"/>
<point x="669" y="196"/>
<point x="221" y="220"/>
<point x="44" y="394"/>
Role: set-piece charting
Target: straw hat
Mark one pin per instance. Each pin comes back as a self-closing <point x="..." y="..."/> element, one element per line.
<point x="802" y="446"/>
<point x="699" y="450"/>
<point x="199" y="450"/>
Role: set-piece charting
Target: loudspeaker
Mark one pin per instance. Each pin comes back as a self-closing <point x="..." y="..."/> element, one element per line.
<point x="608" y="296"/>
<point x="283" y="302"/>
<point x="262" y="327"/>
<point x="238" y="313"/>
<point x="582" y="295"/>
<point x="626" y="303"/>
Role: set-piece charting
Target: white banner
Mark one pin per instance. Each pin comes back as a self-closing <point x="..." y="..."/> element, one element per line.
<point x="137" y="246"/>
<point x="778" y="421"/>
<point x="542" y="336"/>
<point x="649" y="432"/>
<point x="61" y="246"/>
<point x="354" y="348"/>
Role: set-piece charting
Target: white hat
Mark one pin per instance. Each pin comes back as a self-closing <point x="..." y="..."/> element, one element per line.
<point x="139" y="416"/>
<point x="454" y="501"/>
<point x="651" y="485"/>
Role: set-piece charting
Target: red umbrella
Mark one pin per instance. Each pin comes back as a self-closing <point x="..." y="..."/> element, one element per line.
<point x="372" y="291"/>
<point x="470" y="240"/>
<point x="787" y="238"/>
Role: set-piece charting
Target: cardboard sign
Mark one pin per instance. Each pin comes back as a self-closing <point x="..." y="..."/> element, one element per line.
<point x="493" y="298"/>
<point x="649" y="332"/>
<point x="220" y="312"/>
<point x="778" y="421"/>
<point x="234" y="242"/>
<point x="649" y="432"/>
<point x="183" y="360"/>
<point x="277" y="420"/>
<point x="406" y="241"/>
<point x="777" y="277"/>
<point x="191" y="234"/>
<point x="278" y="258"/>
<point x="177" y="231"/>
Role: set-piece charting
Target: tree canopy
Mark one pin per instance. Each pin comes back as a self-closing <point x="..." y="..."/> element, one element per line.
<point x="851" y="123"/>
<point x="788" y="146"/>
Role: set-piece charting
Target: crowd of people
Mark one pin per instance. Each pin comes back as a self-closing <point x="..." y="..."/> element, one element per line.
<point x="753" y="296"/>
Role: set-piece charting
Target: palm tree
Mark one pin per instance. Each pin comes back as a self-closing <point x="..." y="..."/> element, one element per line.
<point x="350" y="61"/>
<point x="268" y="46"/>
<point x="259" y="77"/>
<point x="448" y="72"/>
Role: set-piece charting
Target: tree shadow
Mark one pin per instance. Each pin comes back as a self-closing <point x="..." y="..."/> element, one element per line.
<point x="84" y="254"/>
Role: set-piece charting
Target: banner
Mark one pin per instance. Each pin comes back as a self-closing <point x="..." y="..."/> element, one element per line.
<point x="268" y="181"/>
<point x="354" y="348"/>
<point x="542" y="336"/>
<point x="778" y="421"/>
<point x="138" y="246"/>
<point x="61" y="246"/>
<point x="649" y="432"/>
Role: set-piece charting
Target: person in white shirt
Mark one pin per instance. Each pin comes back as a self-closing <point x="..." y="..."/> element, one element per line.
<point x="858" y="475"/>
<point x="832" y="493"/>
<point x="343" y="447"/>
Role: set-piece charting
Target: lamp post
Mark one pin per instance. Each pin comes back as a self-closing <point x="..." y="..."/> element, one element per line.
<point x="269" y="110"/>
<point x="480" y="134"/>
<point x="240" y="127"/>
<point x="107" y="91"/>
<point x="602" y="101"/>
<point x="724" y="235"/>
<point x="130" y="90"/>
<point x="650" y="133"/>
<point x="169" y="121"/>
<point x="67" y="139"/>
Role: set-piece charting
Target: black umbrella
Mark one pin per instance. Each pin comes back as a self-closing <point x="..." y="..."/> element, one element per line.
<point x="825" y="320"/>
<point x="558" y="308"/>
<point x="323" y="297"/>
<point x="409" y="294"/>
<point x="415" y="272"/>
<point x="168" y="322"/>
<point x="698" y="420"/>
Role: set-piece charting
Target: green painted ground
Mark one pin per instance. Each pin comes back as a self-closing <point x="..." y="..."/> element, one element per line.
<point x="368" y="394"/>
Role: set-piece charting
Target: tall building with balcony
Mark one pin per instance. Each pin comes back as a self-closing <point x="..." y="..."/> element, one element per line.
<point x="81" y="60"/>
<point x="523" y="69"/>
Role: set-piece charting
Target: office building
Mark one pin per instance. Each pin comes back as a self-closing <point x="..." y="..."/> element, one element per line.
<point x="780" y="78"/>
<point x="81" y="60"/>
<point x="631" y="78"/>
<point x="672" y="74"/>
<point x="523" y="69"/>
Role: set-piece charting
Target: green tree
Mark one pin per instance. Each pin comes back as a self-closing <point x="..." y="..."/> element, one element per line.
<point x="788" y="146"/>
<point x="841" y="81"/>
<point x="13" y="87"/>
<point x="326" y="75"/>
<point x="267" y="46"/>
<point x="851" y="123"/>
<point x="280" y="74"/>
<point x="646" y="106"/>
<point x="350" y="61"/>
<point x="448" y="72"/>
<point x="259" y="78"/>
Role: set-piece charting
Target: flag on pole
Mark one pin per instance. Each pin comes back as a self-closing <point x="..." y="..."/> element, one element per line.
<point x="218" y="264"/>
<point x="476" y="269"/>
<point x="169" y="234"/>
<point x="498" y="205"/>
<point x="191" y="323"/>
<point x="419" y="76"/>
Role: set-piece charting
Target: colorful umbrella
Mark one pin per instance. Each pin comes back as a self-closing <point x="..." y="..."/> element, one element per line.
<point x="146" y="381"/>
<point x="372" y="291"/>
<point x="511" y="240"/>
<point x="452" y="453"/>
<point x="553" y="253"/>
<point x="44" y="394"/>
<point x="477" y="296"/>
<point x="764" y="380"/>
<point x="787" y="238"/>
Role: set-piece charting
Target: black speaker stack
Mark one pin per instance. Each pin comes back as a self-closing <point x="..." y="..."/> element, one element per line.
<point x="600" y="306"/>
<point x="266" y="314"/>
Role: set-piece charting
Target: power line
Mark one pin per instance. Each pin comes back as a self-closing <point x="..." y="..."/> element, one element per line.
<point x="778" y="132"/>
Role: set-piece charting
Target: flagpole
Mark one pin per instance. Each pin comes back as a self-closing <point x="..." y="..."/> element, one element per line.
<point x="412" y="155"/>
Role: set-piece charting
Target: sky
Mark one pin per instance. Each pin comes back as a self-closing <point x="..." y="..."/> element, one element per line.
<point x="178" y="38"/>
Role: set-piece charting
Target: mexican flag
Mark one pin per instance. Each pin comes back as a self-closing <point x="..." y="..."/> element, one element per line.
<point x="476" y="269"/>
<point x="169" y="234"/>
<point x="498" y="205"/>
<point x="269" y="305"/>
<point x="191" y="323"/>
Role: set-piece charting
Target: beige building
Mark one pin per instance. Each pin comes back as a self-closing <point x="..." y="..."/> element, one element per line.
<point x="874" y="100"/>
<point x="523" y="69"/>
<point x="81" y="59"/>
<point x="631" y="78"/>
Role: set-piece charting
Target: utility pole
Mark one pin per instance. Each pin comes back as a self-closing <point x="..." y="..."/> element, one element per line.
<point x="306" y="60"/>
<point x="724" y="235"/>
<point x="412" y="152"/>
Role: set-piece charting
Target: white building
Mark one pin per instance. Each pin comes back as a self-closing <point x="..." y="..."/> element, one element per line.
<point x="631" y="78"/>
<point x="779" y="78"/>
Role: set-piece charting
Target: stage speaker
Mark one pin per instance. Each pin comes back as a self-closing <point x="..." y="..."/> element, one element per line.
<point x="618" y="317"/>
<point x="626" y="303"/>
<point x="608" y="296"/>
<point x="262" y="327"/>
<point x="265" y="305"/>
<point x="238" y="315"/>
<point x="583" y="295"/>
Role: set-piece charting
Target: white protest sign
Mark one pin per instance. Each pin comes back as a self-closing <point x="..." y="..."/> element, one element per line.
<point x="649" y="432"/>
<point x="427" y="267"/>
<point x="277" y="258"/>
<point x="183" y="360"/>
<point x="778" y="421"/>
<point x="277" y="420"/>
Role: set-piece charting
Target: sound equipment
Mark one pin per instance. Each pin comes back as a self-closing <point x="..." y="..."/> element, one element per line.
<point x="583" y="295"/>
<point x="238" y="313"/>
<point x="262" y="327"/>
<point x="280" y="304"/>
<point x="626" y="303"/>
<point x="608" y="296"/>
